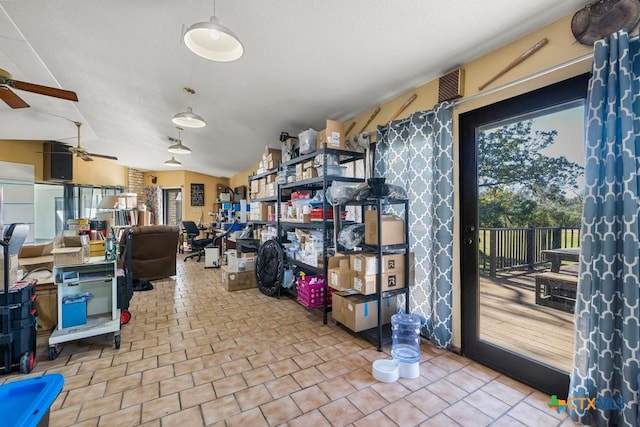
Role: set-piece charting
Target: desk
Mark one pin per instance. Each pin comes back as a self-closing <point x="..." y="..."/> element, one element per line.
<point x="556" y="256"/>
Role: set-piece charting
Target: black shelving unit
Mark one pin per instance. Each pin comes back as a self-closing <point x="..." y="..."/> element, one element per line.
<point x="325" y="225"/>
<point x="268" y="199"/>
<point x="382" y="333"/>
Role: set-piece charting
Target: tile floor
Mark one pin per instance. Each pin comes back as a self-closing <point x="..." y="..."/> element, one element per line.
<point x="195" y="354"/>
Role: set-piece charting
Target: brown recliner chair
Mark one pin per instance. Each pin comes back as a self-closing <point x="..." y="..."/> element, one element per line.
<point x="149" y="252"/>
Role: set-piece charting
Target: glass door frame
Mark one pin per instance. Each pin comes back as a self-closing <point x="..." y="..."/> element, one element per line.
<point x="542" y="377"/>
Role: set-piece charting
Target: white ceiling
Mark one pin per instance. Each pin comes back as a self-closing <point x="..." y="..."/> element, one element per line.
<point x="305" y="61"/>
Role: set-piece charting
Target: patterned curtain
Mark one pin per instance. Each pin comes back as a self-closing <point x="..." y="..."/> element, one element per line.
<point x="417" y="154"/>
<point x="608" y="299"/>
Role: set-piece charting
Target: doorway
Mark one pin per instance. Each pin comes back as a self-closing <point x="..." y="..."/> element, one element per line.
<point x="172" y="206"/>
<point x="521" y="199"/>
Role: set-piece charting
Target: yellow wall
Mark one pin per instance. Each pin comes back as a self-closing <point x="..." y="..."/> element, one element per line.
<point x="211" y="185"/>
<point x="242" y="178"/>
<point x="184" y="179"/>
<point x="100" y="172"/>
<point x="26" y="152"/>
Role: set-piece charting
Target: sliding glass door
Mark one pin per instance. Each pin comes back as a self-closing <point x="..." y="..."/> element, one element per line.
<point x="521" y="197"/>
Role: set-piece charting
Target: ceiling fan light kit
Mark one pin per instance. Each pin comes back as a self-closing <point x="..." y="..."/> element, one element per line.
<point x="172" y="162"/>
<point x="189" y="119"/>
<point x="213" y="41"/>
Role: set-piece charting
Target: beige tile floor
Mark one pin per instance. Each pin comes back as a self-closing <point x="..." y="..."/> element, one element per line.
<point x="195" y="354"/>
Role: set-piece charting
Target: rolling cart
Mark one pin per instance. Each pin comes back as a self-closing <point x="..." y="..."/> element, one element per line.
<point x="17" y="309"/>
<point x="97" y="316"/>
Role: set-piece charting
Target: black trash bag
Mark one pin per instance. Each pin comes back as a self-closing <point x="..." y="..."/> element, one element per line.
<point x="270" y="267"/>
<point x="142" y="285"/>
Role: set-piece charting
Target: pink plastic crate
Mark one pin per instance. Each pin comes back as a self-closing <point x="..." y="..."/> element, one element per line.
<point x="311" y="291"/>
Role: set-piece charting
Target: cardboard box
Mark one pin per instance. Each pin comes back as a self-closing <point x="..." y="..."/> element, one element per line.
<point x="366" y="285"/>
<point x="76" y="241"/>
<point x="366" y="264"/>
<point x="332" y="135"/>
<point x="144" y="217"/>
<point x="13" y="269"/>
<point x="96" y="248"/>
<point x="392" y="229"/>
<point x="359" y="313"/>
<point x="339" y="272"/>
<point x="235" y="281"/>
<point x="69" y="256"/>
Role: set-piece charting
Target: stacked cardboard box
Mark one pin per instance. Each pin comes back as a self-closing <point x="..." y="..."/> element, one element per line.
<point x="359" y="312"/>
<point x="392" y="229"/>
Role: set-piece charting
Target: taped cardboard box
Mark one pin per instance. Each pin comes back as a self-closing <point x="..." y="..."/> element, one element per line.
<point x="359" y="313"/>
<point x="392" y="229"/>
<point x="366" y="264"/>
<point x="366" y="285"/>
<point x="339" y="272"/>
<point x="235" y="281"/>
<point x="69" y="256"/>
<point x="332" y="135"/>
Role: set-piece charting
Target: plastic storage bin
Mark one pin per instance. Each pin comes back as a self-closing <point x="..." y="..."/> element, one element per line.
<point x="74" y="314"/>
<point x="405" y="338"/>
<point x="27" y="402"/>
<point x="311" y="291"/>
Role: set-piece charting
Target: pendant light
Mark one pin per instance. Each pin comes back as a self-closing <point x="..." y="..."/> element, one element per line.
<point x="189" y="119"/>
<point x="213" y="41"/>
<point x="172" y="162"/>
<point x="177" y="147"/>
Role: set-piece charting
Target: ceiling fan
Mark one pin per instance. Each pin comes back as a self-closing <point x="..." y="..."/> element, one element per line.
<point x="79" y="151"/>
<point x="14" y="101"/>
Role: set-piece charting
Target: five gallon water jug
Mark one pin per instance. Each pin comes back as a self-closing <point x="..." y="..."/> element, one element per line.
<point x="405" y="338"/>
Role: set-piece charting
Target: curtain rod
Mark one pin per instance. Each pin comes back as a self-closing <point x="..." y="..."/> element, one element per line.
<point x="525" y="79"/>
<point x="507" y="85"/>
<point x="518" y="81"/>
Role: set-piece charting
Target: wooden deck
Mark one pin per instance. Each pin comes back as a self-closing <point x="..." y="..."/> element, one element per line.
<point x="510" y="318"/>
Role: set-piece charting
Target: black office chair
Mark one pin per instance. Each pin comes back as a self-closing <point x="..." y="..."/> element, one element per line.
<point x="197" y="245"/>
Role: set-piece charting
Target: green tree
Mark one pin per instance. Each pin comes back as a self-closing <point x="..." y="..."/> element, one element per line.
<point x="510" y="157"/>
<point x="519" y="185"/>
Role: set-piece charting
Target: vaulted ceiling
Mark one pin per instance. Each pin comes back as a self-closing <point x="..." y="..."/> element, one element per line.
<point x="304" y="61"/>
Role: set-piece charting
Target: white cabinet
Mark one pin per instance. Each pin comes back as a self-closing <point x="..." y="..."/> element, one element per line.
<point x="98" y="278"/>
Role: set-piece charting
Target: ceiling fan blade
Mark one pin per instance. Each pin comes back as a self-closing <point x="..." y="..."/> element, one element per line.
<point x="103" y="156"/>
<point x="85" y="157"/>
<point x="11" y="99"/>
<point x="44" y="90"/>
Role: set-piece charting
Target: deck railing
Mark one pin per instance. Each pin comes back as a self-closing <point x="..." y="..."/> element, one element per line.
<point x="506" y="249"/>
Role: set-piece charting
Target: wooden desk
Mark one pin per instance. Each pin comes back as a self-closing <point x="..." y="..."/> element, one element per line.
<point x="556" y="256"/>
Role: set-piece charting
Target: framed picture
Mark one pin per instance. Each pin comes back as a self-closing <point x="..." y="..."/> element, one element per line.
<point x="197" y="194"/>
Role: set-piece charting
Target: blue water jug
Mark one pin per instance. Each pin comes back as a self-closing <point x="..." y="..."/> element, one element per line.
<point x="405" y="338"/>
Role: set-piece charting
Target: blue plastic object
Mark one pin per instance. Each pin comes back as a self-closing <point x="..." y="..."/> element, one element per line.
<point x="26" y="402"/>
<point x="74" y="314"/>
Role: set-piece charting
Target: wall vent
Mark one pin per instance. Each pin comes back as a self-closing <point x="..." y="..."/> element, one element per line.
<point x="450" y="85"/>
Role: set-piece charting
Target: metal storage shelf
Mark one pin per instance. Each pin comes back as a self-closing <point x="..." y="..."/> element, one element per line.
<point x="265" y="199"/>
<point x="319" y="181"/>
<point x="325" y="225"/>
<point x="263" y="174"/>
<point x="379" y="335"/>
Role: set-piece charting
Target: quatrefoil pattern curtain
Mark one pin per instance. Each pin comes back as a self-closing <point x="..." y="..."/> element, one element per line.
<point x="417" y="155"/>
<point x="607" y="353"/>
